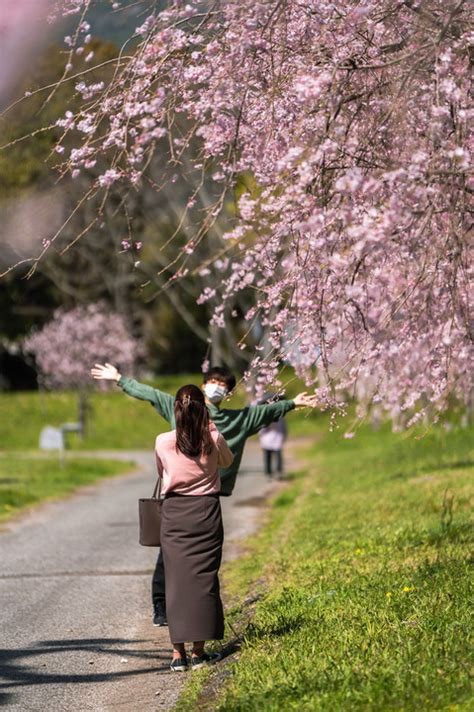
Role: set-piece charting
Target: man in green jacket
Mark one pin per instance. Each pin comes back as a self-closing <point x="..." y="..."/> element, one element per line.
<point x="235" y="425"/>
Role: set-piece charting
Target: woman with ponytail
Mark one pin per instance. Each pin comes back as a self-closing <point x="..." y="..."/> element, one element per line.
<point x="188" y="459"/>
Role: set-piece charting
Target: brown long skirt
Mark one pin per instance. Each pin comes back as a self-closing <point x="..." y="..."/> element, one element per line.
<point x="191" y="542"/>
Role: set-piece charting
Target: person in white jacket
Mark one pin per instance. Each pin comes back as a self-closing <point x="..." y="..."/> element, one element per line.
<point x="272" y="439"/>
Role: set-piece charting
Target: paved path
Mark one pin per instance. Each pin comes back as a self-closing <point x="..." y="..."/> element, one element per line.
<point x="75" y="629"/>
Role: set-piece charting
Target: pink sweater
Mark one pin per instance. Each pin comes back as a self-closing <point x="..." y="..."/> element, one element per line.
<point x="191" y="475"/>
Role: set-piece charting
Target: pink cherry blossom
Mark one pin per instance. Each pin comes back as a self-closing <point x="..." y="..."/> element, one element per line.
<point x="67" y="346"/>
<point x="352" y="121"/>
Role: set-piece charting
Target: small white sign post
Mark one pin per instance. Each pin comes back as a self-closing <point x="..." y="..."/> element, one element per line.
<point x="52" y="439"/>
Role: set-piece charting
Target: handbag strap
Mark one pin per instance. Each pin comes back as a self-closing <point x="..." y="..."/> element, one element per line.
<point x="157" y="491"/>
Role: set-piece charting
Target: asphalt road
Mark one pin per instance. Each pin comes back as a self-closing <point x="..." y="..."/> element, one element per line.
<point x="76" y="629"/>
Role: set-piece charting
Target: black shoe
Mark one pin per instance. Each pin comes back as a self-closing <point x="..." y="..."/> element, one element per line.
<point x="204" y="659"/>
<point x="179" y="665"/>
<point x="159" y="618"/>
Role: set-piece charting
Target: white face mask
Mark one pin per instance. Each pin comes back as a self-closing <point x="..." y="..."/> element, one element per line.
<point x="214" y="392"/>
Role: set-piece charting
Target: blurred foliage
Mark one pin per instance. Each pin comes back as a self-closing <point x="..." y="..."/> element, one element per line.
<point x="24" y="303"/>
<point x="137" y="283"/>
<point x="96" y="268"/>
<point x="27" y="163"/>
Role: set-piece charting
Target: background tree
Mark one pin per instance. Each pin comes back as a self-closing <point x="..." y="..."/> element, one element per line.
<point x="353" y="121"/>
<point x="105" y="263"/>
<point x="65" y="348"/>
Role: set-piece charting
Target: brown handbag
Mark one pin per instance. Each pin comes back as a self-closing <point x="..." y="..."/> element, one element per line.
<point x="149" y="515"/>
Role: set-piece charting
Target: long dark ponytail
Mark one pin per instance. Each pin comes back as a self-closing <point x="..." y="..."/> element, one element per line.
<point x="193" y="436"/>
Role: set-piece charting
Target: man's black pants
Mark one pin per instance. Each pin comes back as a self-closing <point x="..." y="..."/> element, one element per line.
<point x="158" y="587"/>
<point x="268" y="458"/>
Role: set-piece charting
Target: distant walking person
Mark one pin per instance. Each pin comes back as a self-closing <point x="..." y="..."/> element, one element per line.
<point x="272" y="439"/>
<point x="188" y="459"/>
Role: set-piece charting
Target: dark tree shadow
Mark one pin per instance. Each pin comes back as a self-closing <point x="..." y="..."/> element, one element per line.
<point x="17" y="669"/>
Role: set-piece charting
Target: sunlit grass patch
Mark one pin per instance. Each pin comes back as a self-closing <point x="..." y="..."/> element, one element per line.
<point x="27" y="480"/>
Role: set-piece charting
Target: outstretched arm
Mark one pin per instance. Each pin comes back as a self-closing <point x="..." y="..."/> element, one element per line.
<point x="105" y="373"/>
<point x="258" y="416"/>
<point x="162" y="402"/>
<point x="261" y="415"/>
<point x="303" y="400"/>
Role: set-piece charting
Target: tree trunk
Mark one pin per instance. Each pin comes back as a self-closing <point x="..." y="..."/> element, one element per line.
<point x="83" y="410"/>
<point x="216" y="350"/>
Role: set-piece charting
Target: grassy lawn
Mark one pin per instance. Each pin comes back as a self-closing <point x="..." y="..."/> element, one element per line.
<point x="25" y="481"/>
<point x="117" y="421"/>
<point x="363" y="571"/>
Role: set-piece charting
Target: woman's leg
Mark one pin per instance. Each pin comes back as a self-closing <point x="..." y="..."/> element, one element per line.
<point x="179" y="651"/>
<point x="198" y="648"/>
<point x="179" y="663"/>
<point x="199" y="657"/>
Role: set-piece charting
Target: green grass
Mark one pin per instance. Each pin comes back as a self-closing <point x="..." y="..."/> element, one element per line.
<point x="364" y="570"/>
<point x="117" y="421"/>
<point x="26" y="480"/>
